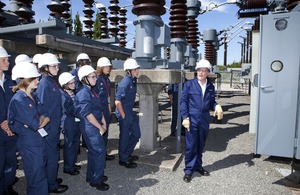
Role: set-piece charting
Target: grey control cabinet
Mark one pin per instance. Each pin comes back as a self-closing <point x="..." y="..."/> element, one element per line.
<point x="278" y="85"/>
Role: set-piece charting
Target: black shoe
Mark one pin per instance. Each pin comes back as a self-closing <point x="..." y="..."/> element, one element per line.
<point x="133" y="158"/>
<point x="10" y="191"/>
<point x="128" y="164"/>
<point x="59" y="180"/>
<point x="104" y="178"/>
<point x="74" y="172"/>
<point x="77" y="167"/>
<point x="187" y="178"/>
<point x="101" y="186"/>
<point x="110" y="157"/>
<point x="203" y="172"/>
<point x="60" y="189"/>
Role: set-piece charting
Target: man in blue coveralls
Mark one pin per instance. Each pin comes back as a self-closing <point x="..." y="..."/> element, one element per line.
<point x="8" y="140"/>
<point x="198" y="97"/>
<point x="130" y="132"/>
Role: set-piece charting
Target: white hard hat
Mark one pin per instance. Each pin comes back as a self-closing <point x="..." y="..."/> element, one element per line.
<point x="3" y="53"/>
<point x="130" y="64"/>
<point x="36" y="58"/>
<point x="203" y="64"/>
<point x="82" y="56"/>
<point x="64" y="78"/>
<point x="24" y="70"/>
<point x="104" y="61"/>
<point x="48" y="59"/>
<point x="22" y="58"/>
<point x="84" y="71"/>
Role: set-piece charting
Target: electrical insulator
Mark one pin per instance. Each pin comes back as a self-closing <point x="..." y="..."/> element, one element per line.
<point x="122" y="27"/>
<point x="56" y="9"/>
<point x="114" y="19"/>
<point x="178" y="24"/>
<point x="88" y="14"/>
<point x="25" y="12"/>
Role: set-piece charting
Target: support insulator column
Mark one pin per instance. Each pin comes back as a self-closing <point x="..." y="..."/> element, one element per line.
<point x="88" y="14"/>
<point x="114" y="19"/>
<point x="122" y="27"/>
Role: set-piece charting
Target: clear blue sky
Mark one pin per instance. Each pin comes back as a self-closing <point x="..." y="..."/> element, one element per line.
<point x="220" y="18"/>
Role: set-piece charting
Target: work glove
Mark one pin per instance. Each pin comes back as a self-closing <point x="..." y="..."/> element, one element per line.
<point x="218" y="112"/>
<point x="186" y="123"/>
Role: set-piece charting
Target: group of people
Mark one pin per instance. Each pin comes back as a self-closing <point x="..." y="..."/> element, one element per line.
<point x="37" y="104"/>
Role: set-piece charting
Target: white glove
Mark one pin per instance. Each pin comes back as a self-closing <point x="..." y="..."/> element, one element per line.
<point x="186" y="123"/>
<point x="218" y="112"/>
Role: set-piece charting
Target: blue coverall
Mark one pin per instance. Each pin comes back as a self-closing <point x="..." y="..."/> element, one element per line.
<point x="24" y="119"/>
<point x="196" y="106"/>
<point x="103" y="89"/>
<point x="130" y="132"/>
<point x="88" y="102"/>
<point x="71" y="131"/>
<point x="8" y="145"/>
<point x="49" y="94"/>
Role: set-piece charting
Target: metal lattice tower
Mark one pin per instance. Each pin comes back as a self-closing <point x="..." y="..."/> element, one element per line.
<point x="114" y="19"/>
<point x="104" y="28"/>
<point x="56" y="9"/>
<point x="88" y="14"/>
<point x="25" y="12"/>
<point x="122" y="26"/>
<point x="178" y="19"/>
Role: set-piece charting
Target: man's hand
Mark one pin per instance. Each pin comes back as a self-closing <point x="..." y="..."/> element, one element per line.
<point x="186" y="123"/>
<point x="218" y="112"/>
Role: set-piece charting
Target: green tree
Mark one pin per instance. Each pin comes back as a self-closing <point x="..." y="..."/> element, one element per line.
<point x="77" y="26"/>
<point x="97" y="27"/>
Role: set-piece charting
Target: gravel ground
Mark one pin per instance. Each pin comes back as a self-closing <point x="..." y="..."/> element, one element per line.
<point x="228" y="156"/>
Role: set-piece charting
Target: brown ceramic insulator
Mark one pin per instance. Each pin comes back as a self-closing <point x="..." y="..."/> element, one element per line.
<point x="122" y="27"/>
<point x="291" y="4"/>
<point x="88" y="14"/>
<point x="193" y="37"/>
<point x="114" y="19"/>
<point x="178" y="24"/>
<point x="24" y="12"/>
<point x="253" y="4"/>
<point x="210" y="53"/>
<point x="144" y="7"/>
<point x="56" y="9"/>
<point x="104" y="28"/>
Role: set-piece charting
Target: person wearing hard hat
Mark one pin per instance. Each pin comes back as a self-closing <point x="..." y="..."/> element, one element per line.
<point x="87" y="101"/>
<point x="8" y="140"/>
<point x="130" y="132"/>
<point x="35" y="59"/>
<point x="70" y="124"/>
<point x="49" y="95"/>
<point x="81" y="60"/>
<point x="103" y="89"/>
<point x="27" y="119"/>
<point x="197" y="99"/>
